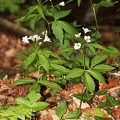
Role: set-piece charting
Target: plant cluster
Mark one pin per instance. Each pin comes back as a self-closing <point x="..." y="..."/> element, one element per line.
<point x="79" y="60"/>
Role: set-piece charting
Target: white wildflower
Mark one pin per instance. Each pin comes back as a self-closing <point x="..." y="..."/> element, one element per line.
<point x="77" y="46"/>
<point x="35" y="37"/>
<point x="87" y="38"/>
<point x="62" y="3"/>
<point x="47" y="39"/>
<point x="86" y="30"/>
<point x="78" y="35"/>
<point x="25" y="39"/>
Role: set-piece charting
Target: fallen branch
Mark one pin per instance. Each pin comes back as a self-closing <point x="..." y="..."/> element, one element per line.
<point x="14" y="27"/>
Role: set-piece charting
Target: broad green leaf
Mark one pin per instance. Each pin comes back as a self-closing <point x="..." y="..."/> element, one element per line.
<point x="35" y="87"/>
<point x="67" y="50"/>
<point x="84" y="97"/>
<point x="78" y="2"/>
<point x="40" y="10"/>
<point x="74" y="73"/>
<point x="59" y="68"/>
<point x="67" y="27"/>
<point x="56" y="61"/>
<point x="48" y="53"/>
<point x="103" y="68"/>
<point x="31" y="9"/>
<point x="33" y="99"/>
<point x="88" y="82"/>
<point x="73" y="115"/>
<point x="101" y="92"/>
<point x="98" y="112"/>
<point x="29" y="59"/>
<point x="50" y="84"/>
<point x="92" y="50"/>
<point x="22" y="19"/>
<point x="98" y="59"/>
<point x="61" y="109"/>
<point x="110" y="101"/>
<point x="111" y="50"/>
<point x="39" y="106"/>
<point x="34" y="20"/>
<point x="22" y="101"/>
<point x="117" y="30"/>
<point x="44" y="62"/>
<point x="23" y="81"/>
<point x="97" y="75"/>
<point x="57" y="30"/>
<point x="87" y="61"/>
<point x="61" y="14"/>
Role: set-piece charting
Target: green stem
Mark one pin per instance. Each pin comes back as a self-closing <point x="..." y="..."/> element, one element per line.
<point x="95" y="17"/>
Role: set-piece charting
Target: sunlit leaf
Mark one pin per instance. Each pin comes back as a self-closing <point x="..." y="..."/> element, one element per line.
<point x="61" y="109"/>
<point x="88" y="82"/>
<point x="103" y="68"/>
<point x="74" y="73"/>
<point x="50" y="84"/>
<point x="29" y="59"/>
<point x="44" y="62"/>
<point x="97" y="75"/>
<point x="73" y="115"/>
<point x="23" y="81"/>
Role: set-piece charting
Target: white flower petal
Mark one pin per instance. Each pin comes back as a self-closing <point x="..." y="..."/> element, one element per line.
<point x="86" y="30"/>
<point x="78" y="35"/>
<point x="77" y="46"/>
<point x="62" y="3"/>
<point x="25" y="39"/>
<point x="87" y="38"/>
<point x="47" y="39"/>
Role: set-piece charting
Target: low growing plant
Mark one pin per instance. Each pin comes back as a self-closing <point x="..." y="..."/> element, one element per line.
<point x="79" y="60"/>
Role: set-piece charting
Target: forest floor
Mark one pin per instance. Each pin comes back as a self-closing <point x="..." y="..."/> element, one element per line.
<point x="10" y="44"/>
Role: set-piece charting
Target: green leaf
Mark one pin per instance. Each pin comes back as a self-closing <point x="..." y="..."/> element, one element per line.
<point x="74" y="73"/>
<point x="23" y="81"/>
<point x="103" y="68"/>
<point x="59" y="68"/>
<point x="101" y="118"/>
<point x="24" y="102"/>
<point x="68" y="27"/>
<point x="78" y="2"/>
<point x="48" y="53"/>
<point x="39" y="106"/>
<point x="73" y="115"/>
<point x="98" y="112"/>
<point x="40" y="11"/>
<point x="111" y="101"/>
<point x="57" y="30"/>
<point x="84" y="97"/>
<point x="61" y="109"/>
<point x="88" y="82"/>
<point x="86" y="61"/>
<point x="50" y="84"/>
<point x="61" y="14"/>
<point x="1" y="96"/>
<point x="35" y="87"/>
<point x="111" y="50"/>
<point x="33" y="99"/>
<point x="29" y="59"/>
<point x="67" y="50"/>
<point x="117" y="30"/>
<point x="101" y="92"/>
<point x="44" y="62"/>
<point x="98" y="59"/>
<point x="97" y="75"/>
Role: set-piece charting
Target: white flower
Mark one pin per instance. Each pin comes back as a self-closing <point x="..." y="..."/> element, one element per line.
<point x="25" y="39"/>
<point x="78" y="35"/>
<point x="35" y="37"/>
<point x="77" y="46"/>
<point x="86" y="30"/>
<point x="87" y="38"/>
<point x="47" y="39"/>
<point x="62" y="3"/>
